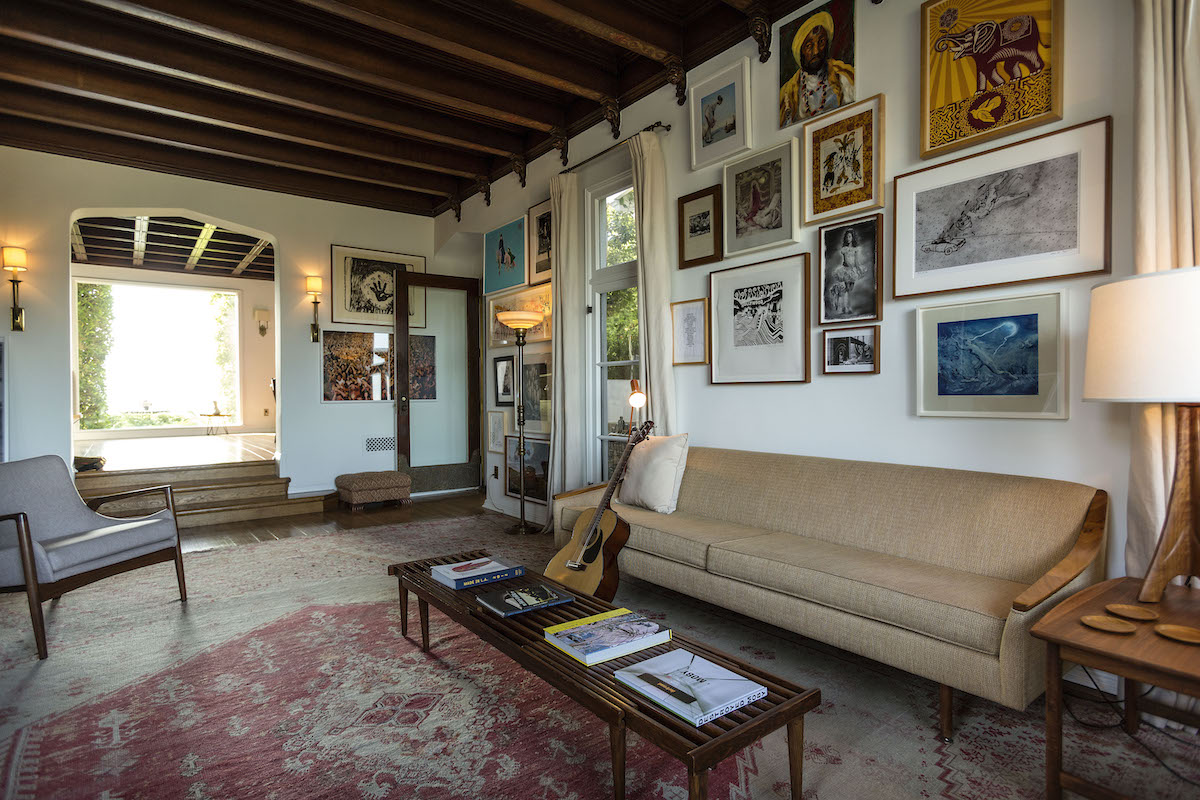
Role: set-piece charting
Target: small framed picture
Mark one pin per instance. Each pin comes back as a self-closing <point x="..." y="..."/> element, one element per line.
<point x="504" y="257"/>
<point x="719" y="110"/>
<point x="993" y="358"/>
<point x="851" y="351"/>
<point x="851" y="271"/>
<point x="536" y="466"/>
<point x="535" y="298"/>
<point x="363" y="284"/>
<point x="689" y="325"/>
<point x="497" y="427"/>
<point x="536" y="388"/>
<point x="504" y="371"/>
<point x="759" y="322"/>
<point x="700" y="227"/>
<point x="843" y="161"/>
<point x="759" y="195"/>
<point x="538" y="247"/>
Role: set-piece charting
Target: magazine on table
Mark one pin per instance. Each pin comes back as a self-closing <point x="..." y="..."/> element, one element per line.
<point x="690" y="686"/>
<point x="486" y="569"/>
<point x="519" y="599"/>
<point x="602" y="637"/>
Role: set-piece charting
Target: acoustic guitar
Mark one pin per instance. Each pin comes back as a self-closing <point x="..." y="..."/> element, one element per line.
<point x="588" y="563"/>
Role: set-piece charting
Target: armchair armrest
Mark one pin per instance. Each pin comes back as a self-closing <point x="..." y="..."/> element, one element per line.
<point x="1087" y="547"/>
<point x="25" y="545"/>
<point x="584" y="490"/>
<point x="95" y="502"/>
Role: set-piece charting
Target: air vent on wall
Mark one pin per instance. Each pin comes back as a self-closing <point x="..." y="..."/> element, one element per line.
<point x="378" y="444"/>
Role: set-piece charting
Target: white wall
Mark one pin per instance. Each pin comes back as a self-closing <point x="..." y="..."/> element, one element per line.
<point x="874" y="417"/>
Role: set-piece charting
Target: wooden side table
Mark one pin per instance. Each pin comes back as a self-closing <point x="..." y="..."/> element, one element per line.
<point x="1143" y="656"/>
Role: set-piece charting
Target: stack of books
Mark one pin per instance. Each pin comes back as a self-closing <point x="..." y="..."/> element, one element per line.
<point x="602" y="637"/>
<point x="473" y="573"/>
<point x="520" y="599"/>
<point x="690" y="686"/>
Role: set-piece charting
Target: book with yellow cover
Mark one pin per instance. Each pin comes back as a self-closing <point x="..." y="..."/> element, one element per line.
<point x="602" y="637"/>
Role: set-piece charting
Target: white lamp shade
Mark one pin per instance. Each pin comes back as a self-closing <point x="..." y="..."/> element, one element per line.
<point x="13" y="259"/>
<point x="312" y="284"/>
<point x="520" y="320"/>
<point x="1144" y="339"/>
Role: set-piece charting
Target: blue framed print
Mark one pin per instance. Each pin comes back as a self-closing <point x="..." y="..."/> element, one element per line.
<point x="504" y="257"/>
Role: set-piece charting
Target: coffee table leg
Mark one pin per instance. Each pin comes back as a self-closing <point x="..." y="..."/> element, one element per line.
<point x="1132" y="718"/>
<point x="795" y="735"/>
<point x="697" y="784"/>
<point x="423" y="610"/>
<point x="616" y="740"/>
<point x="1053" y="723"/>
<point x="403" y="610"/>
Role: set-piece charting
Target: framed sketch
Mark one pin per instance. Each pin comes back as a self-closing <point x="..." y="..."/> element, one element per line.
<point x="719" y="110"/>
<point x="497" y="426"/>
<point x="851" y="351"/>
<point x="536" y="390"/>
<point x="988" y="69"/>
<point x="1033" y="210"/>
<point x="816" y="62"/>
<point x="422" y="367"/>
<point x="4" y="357"/>
<point x="993" y="358"/>
<point x="843" y="161"/>
<point x="851" y="270"/>
<point x="700" y="227"/>
<point x="363" y="285"/>
<point x="538" y="247"/>
<point x="689" y="326"/>
<point x="357" y="367"/>
<point x="504" y="257"/>
<point x="535" y="298"/>
<point x="759" y="199"/>
<point x="759" y="322"/>
<point x="536" y="465"/>
<point x="504" y="371"/>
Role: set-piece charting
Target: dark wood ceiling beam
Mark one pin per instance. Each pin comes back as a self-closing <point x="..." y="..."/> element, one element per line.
<point x="615" y="21"/>
<point x="157" y="266"/>
<point x="113" y="42"/>
<point x="290" y="41"/>
<point x="521" y="56"/>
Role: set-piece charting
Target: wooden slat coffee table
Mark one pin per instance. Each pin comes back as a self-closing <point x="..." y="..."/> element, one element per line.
<point x="520" y="638"/>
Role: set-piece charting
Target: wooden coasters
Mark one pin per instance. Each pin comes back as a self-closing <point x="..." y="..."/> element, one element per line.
<point x="1140" y="613"/>
<point x="1180" y="633"/>
<point x="1109" y="624"/>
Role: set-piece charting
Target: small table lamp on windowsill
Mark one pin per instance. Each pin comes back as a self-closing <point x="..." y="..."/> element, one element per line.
<point x="1144" y="347"/>
<point x="521" y="322"/>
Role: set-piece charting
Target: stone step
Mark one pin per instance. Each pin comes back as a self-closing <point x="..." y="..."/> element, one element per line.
<point x="242" y="510"/>
<point x="194" y="494"/>
<point x="105" y="482"/>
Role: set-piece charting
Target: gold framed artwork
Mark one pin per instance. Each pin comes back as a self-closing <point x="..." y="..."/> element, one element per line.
<point x="534" y="298"/>
<point x="988" y="68"/>
<point x="689" y="328"/>
<point x="843" y="161"/>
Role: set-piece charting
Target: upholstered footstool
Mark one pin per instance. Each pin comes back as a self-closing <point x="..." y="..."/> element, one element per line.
<point x="359" y="488"/>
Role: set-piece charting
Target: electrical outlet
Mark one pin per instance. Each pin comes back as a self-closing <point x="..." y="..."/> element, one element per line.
<point x="495" y="472"/>
<point x="266" y="412"/>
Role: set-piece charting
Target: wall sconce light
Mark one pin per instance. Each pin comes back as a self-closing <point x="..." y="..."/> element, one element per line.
<point x="312" y="285"/>
<point x="13" y="259"/>
<point x="263" y="317"/>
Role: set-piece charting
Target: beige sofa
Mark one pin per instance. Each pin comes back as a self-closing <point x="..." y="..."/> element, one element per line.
<point x="937" y="572"/>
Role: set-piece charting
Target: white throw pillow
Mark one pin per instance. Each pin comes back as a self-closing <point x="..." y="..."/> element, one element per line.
<point x="654" y="473"/>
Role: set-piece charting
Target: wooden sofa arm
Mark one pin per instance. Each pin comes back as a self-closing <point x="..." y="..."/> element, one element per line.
<point x="95" y="503"/>
<point x="584" y="490"/>
<point x="1087" y="547"/>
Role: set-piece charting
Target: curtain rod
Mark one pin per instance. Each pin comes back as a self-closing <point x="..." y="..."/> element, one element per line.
<point x="652" y="127"/>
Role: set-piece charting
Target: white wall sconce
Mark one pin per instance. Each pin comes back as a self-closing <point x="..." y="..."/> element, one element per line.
<point x="263" y="317"/>
<point x="14" y="261"/>
<point x="312" y="285"/>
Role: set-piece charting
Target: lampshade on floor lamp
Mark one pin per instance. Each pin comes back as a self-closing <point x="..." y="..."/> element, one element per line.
<point x="521" y="322"/>
<point x="1144" y="347"/>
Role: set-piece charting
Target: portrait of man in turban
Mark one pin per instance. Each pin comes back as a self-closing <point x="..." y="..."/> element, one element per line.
<point x="819" y="75"/>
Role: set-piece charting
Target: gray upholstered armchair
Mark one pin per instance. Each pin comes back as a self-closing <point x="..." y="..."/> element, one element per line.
<point x="52" y="542"/>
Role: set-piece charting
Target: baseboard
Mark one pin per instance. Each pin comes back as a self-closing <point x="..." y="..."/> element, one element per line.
<point x="1108" y="683"/>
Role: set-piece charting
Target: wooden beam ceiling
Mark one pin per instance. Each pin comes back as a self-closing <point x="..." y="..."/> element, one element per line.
<point x="173" y="244"/>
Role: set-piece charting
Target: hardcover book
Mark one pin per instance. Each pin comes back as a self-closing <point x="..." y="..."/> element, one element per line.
<point x="473" y="573"/>
<point x="520" y="599"/>
<point x="690" y="686"/>
<point x="602" y="637"/>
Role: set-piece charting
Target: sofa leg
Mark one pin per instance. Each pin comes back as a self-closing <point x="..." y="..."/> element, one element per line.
<point x="946" y="712"/>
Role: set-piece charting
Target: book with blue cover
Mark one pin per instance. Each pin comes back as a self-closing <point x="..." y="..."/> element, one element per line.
<point x="473" y="573"/>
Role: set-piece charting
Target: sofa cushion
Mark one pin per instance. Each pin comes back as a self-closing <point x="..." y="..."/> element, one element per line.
<point x="68" y="551"/>
<point x="654" y="472"/>
<point x="954" y="606"/>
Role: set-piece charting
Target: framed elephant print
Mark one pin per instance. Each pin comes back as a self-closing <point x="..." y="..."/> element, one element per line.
<point x="988" y="69"/>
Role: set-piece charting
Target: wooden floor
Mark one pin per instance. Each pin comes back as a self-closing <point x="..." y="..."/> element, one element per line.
<point x="178" y="451"/>
<point x="265" y="530"/>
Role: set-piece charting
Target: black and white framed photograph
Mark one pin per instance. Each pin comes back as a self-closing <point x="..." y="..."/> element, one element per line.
<point x="497" y="427"/>
<point x="1029" y="211"/>
<point x="689" y="327"/>
<point x="758" y="317"/>
<point x="536" y="466"/>
<point x="851" y="270"/>
<point x="535" y="391"/>
<point x="538" y="248"/>
<point x="719" y="110"/>
<point x="700" y="228"/>
<point x="505" y="374"/>
<point x="759" y="194"/>
<point x="363" y="286"/>
<point x="851" y="351"/>
<point x="357" y="366"/>
<point x="993" y="358"/>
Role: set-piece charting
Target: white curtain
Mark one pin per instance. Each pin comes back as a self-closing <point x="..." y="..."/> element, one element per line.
<point x="652" y="203"/>
<point x="1166" y="213"/>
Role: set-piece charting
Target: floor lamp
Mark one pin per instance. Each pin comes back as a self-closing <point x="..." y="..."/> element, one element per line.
<point x="1144" y="347"/>
<point x="521" y="322"/>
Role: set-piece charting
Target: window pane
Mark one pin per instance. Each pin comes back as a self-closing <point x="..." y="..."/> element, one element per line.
<point x="612" y="454"/>
<point x="620" y="229"/>
<point x="621" y="325"/>
<point x="616" y="397"/>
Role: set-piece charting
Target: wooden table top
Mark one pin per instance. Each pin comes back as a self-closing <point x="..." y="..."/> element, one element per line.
<point x="706" y="744"/>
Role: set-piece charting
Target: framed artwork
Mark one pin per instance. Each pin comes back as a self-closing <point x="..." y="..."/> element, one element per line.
<point x="537" y="464"/>
<point x="535" y="298"/>
<point x="816" y="62"/>
<point x="363" y="284"/>
<point x="851" y="351"/>
<point x="1033" y="210"/>
<point x="719" y="110"/>
<point x="536" y="391"/>
<point x="700" y="227"/>
<point x="538" y="247"/>
<point x="422" y="367"/>
<point x="843" y="161"/>
<point x="689" y="326"/>
<point x="988" y="69"/>
<point x="504" y="257"/>
<point x="504" y="371"/>
<point x="497" y="425"/>
<point x="759" y="199"/>
<point x="357" y="367"/>
<point x="851" y="270"/>
<point x="993" y="358"/>
<point x="759" y="322"/>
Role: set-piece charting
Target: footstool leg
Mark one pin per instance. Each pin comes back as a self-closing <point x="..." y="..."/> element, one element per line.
<point x="616" y="741"/>
<point x="697" y="784"/>
<point x="423" y="610"/>
<point x="403" y="610"/>
<point x="795" y="739"/>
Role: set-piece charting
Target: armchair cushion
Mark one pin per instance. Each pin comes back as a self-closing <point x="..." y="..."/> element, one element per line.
<point x="74" y="549"/>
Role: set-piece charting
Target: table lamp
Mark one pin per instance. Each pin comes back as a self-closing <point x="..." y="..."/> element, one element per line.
<point x="1144" y="347"/>
<point x="521" y="322"/>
